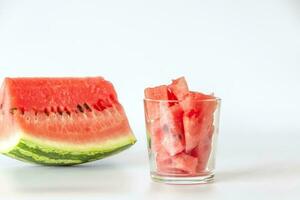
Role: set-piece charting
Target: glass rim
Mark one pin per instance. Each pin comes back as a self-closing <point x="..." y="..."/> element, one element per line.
<point x="177" y="101"/>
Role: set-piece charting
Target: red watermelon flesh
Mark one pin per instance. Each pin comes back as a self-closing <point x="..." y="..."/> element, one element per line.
<point x="198" y="118"/>
<point x="61" y="117"/>
<point x="172" y="127"/>
<point x="152" y="106"/>
<point x="167" y="131"/>
<point x="157" y="93"/>
<point x="180" y="163"/>
<point x="26" y="93"/>
<point x="64" y="101"/>
<point x="179" y="88"/>
<point x="203" y="151"/>
<point x="156" y="135"/>
<point x="80" y="128"/>
<point x="183" y="130"/>
<point x="164" y="165"/>
<point x="162" y="156"/>
<point x="192" y="101"/>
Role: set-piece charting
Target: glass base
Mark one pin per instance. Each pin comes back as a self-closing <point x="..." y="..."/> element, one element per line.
<point x="183" y="180"/>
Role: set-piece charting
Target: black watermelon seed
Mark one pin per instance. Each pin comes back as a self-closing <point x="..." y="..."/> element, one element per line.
<point x="87" y="107"/>
<point x="79" y="107"/>
<point x="59" y="110"/>
<point x="67" y="111"/>
<point x="53" y="109"/>
<point x="46" y="111"/>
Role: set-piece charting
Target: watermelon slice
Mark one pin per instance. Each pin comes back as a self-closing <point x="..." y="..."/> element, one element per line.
<point x="61" y="121"/>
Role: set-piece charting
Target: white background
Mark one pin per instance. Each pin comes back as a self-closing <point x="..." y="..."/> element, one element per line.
<point x="247" y="52"/>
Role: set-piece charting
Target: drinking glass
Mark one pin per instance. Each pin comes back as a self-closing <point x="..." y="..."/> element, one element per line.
<point x="182" y="140"/>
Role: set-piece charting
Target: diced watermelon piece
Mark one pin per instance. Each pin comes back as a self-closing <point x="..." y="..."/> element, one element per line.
<point x="179" y="163"/>
<point x="162" y="155"/>
<point x="173" y="143"/>
<point x="157" y="93"/>
<point x="198" y="118"/>
<point x="197" y="130"/>
<point x="168" y="130"/>
<point x="172" y="127"/>
<point x="202" y="152"/>
<point x="164" y="162"/>
<point x="166" y="167"/>
<point x="156" y="135"/>
<point x="179" y="88"/>
<point x="152" y="108"/>
<point x="192" y="101"/>
<point x="192" y="132"/>
<point x="185" y="162"/>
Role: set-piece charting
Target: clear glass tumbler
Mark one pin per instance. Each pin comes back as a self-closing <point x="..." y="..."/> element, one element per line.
<point x="182" y="139"/>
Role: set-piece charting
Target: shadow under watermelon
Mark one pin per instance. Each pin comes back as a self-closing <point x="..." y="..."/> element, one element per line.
<point x="94" y="178"/>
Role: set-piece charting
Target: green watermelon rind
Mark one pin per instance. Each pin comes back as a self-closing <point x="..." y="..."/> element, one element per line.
<point x="47" y="153"/>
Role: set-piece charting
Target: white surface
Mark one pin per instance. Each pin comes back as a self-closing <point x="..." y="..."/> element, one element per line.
<point x="247" y="52"/>
<point x="248" y="168"/>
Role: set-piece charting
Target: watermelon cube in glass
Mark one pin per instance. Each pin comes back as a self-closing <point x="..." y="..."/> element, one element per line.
<point x="182" y="129"/>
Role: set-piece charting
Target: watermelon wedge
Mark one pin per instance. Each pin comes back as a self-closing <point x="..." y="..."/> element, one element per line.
<point x="61" y="121"/>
